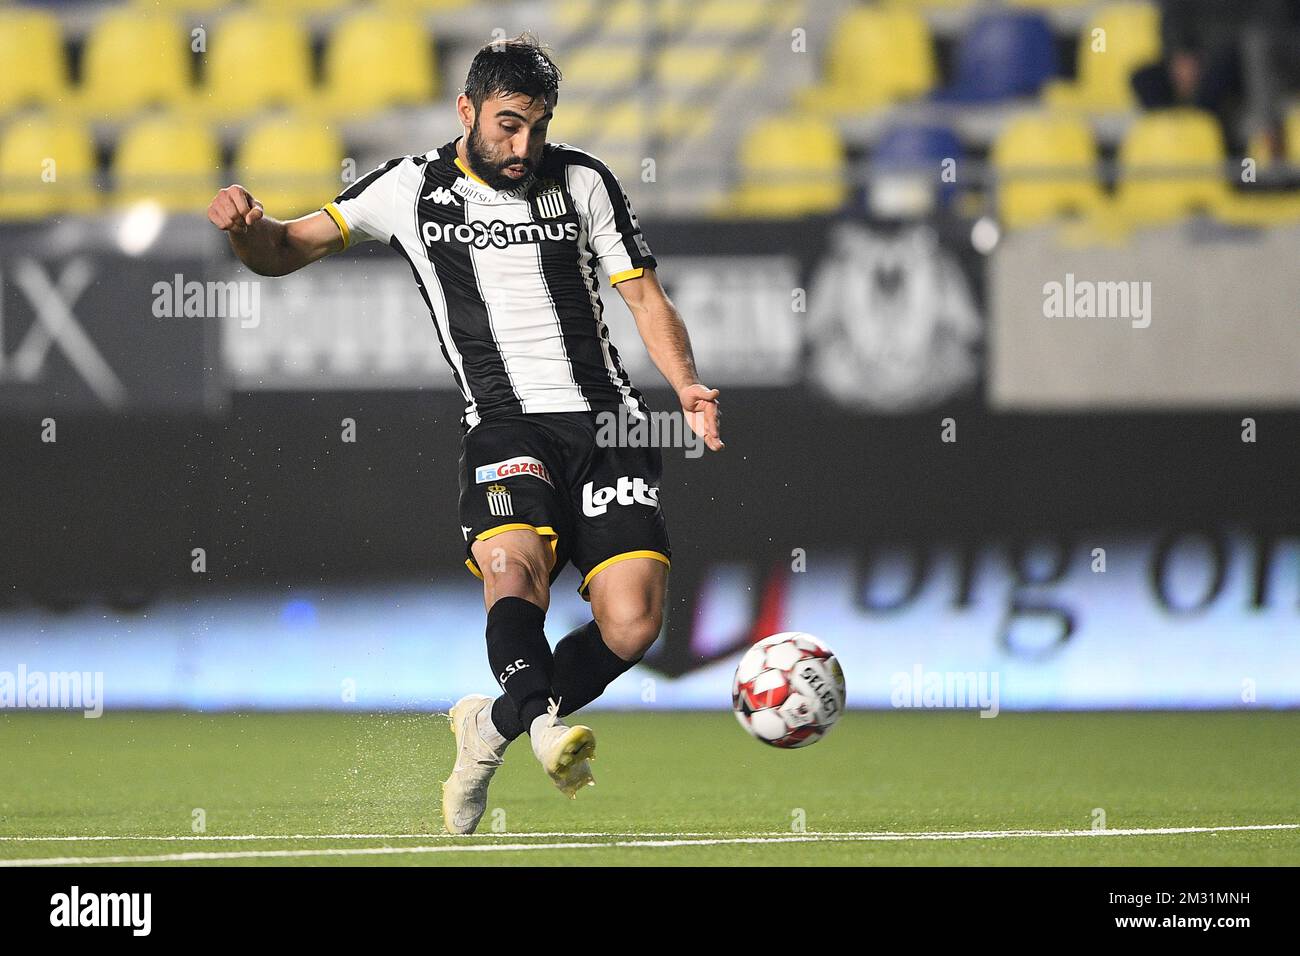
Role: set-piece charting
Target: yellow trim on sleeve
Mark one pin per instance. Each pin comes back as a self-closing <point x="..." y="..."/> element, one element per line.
<point x="625" y="556"/>
<point x="332" y="211"/>
<point x="618" y="277"/>
<point x="545" y="531"/>
<point x="469" y="172"/>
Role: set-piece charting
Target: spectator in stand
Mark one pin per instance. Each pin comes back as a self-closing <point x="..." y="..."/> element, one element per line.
<point x="1234" y="59"/>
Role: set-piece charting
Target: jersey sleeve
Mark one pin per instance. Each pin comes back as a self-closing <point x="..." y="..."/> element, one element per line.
<point x="365" y="210"/>
<point x="612" y="226"/>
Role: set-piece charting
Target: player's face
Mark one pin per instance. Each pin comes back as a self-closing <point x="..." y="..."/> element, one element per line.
<point x="505" y="142"/>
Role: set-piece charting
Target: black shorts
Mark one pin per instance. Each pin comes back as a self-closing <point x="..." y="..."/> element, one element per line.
<point x="545" y="472"/>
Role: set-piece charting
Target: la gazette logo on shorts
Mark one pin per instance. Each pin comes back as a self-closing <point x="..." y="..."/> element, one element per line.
<point x="522" y="465"/>
<point x="628" y="491"/>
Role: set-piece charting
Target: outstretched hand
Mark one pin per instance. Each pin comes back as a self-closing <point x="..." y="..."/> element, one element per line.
<point x="700" y="405"/>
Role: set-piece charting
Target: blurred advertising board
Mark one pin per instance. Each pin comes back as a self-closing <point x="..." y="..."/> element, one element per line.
<point x="1183" y="317"/>
<point x="102" y="333"/>
<point x="1187" y="621"/>
<point x="878" y="317"/>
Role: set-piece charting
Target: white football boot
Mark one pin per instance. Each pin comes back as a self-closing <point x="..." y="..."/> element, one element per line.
<point x="564" y="751"/>
<point x="464" y="793"/>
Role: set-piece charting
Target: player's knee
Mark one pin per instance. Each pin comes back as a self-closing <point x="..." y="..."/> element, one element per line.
<point x="524" y="574"/>
<point x="630" y="629"/>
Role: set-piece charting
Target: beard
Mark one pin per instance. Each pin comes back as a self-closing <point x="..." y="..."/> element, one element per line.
<point x="491" y="170"/>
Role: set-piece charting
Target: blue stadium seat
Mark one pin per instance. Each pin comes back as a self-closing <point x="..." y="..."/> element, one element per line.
<point x="907" y="146"/>
<point x="921" y="149"/>
<point x="1002" y="56"/>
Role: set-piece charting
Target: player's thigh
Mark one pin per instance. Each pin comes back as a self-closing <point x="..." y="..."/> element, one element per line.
<point x="627" y="601"/>
<point x="507" y="488"/>
<point x="516" y="563"/>
<point x="621" y="546"/>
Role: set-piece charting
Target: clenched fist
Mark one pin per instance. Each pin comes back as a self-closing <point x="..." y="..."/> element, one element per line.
<point x="234" y="210"/>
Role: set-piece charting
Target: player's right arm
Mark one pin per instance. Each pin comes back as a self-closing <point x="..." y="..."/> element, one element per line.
<point x="268" y="246"/>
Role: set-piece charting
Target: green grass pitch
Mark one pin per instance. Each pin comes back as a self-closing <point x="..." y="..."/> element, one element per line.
<point x="672" y="789"/>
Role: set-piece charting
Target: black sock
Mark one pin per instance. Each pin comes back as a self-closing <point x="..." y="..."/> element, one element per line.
<point x="584" y="667"/>
<point x="519" y="655"/>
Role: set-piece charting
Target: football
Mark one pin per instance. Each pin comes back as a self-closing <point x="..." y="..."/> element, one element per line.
<point x="788" y="690"/>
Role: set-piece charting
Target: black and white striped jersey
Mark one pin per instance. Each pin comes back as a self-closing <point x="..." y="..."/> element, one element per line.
<point x="510" y="276"/>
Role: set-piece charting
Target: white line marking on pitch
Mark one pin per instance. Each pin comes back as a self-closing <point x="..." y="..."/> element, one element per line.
<point x="526" y="835"/>
<point x="844" y="837"/>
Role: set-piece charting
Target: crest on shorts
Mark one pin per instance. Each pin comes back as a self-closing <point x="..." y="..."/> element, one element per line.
<point x="550" y="201"/>
<point x="498" y="499"/>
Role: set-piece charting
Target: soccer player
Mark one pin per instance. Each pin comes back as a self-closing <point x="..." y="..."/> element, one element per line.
<point x="504" y="233"/>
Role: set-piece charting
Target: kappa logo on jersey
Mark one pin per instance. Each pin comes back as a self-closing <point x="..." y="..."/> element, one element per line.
<point x="550" y="202"/>
<point x="443" y="197"/>
<point x="627" y="491"/>
<point x="499" y="234"/>
<point x="498" y="499"/>
<point x="522" y="465"/>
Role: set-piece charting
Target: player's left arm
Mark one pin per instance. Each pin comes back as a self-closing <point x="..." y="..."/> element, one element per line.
<point x="669" y="345"/>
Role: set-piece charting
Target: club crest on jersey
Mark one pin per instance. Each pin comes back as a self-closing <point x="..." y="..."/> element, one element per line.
<point x="520" y="465"/>
<point x="498" y="499"/>
<point x="550" y="201"/>
<point x="497" y="233"/>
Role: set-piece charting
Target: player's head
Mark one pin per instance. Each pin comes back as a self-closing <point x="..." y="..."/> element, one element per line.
<point x="510" y="93"/>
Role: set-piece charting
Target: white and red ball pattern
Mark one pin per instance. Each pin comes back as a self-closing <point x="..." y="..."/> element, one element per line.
<point x="788" y="690"/>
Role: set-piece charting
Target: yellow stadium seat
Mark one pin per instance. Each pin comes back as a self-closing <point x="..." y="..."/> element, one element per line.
<point x="175" y="161"/>
<point x="183" y="6"/>
<point x="292" y="164"/>
<point x="1046" y="166"/>
<point x="626" y="18"/>
<point x="574" y="15"/>
<point x="1048" y="4"/>
<point x="1260" y="211"/>
<point x="621" y="123"/>
<point x="729" y="16"/>
<point x="676" y="117"/>
<point x="423" y="6"/>
<point x="33" y="70"/>
<point x="255" y="60"/>
<point x="695" y="66"/>
<point x="790" y="166"/>
<point x="1259" y="148"/>
<point x="574" y="120"/>
<point x="1171" y="164"/>
<point x="878" y="56"/>
<point x="132" y="61"/>
<point x="47" y="166"/>
<point x="303" y="6"/>
<point x="1121" y="38"/>
<point x="377" y="59"/>
<point x="597" y="68"/>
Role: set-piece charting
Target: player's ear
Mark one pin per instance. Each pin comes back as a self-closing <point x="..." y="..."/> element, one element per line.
<point x="465" y="109"/>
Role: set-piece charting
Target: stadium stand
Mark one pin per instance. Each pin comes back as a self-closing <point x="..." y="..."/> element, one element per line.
<point x="1037" y="94"/>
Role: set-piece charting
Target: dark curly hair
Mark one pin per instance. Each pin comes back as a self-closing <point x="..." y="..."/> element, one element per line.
<point x="518" y="65"/>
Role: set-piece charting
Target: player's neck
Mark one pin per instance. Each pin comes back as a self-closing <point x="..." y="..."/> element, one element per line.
<point x="462" y="162"/>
